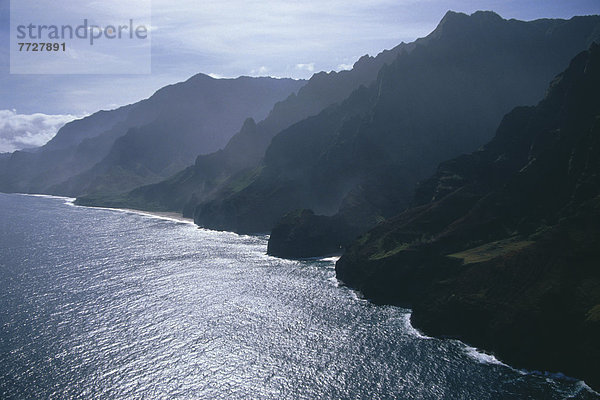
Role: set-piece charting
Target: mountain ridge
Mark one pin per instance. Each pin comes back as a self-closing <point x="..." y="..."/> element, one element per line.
<point x="441" y="99"/>
<point x="197" y="107"/>
<point x="212" y="173"/>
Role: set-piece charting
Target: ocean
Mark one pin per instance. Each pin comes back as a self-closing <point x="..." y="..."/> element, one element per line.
<point x="116" y="304"/>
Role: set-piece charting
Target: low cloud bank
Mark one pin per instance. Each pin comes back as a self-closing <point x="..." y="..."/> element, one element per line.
<point x="25" y="131"/>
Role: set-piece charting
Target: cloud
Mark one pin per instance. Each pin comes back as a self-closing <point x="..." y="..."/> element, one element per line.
<point x="22" y="131"/>
<point x="342" y="67"/>
<point x="310" y="67"/>
<point x="216" y="76"/>
<point x="262" y="70"/>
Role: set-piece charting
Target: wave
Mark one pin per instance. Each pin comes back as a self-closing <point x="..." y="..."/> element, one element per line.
<point x="68" y="200"/>
<point x="411" y="330"/>
<point x="482" y="357"/>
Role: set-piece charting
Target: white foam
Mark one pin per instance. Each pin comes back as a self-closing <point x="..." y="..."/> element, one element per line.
<point x="584" y="386"/>
<point x="482" y="357"/>
<point x="485" y="358"/>
<point x="335" y="281"/>
<point x="173" y="217"/>
<point x="560" y="376"/>
<point x="411" y="330"/>
<point x="48" y="196"/>
<point x="356" y="295"/>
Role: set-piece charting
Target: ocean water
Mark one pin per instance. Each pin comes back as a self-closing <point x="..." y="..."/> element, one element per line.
<point x="109" y="304"/>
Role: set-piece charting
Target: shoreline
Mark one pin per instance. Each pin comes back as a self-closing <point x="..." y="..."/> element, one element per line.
<point x="167" y="215"/>
<point x="477" y="354"/>
<point x="164" y="215"/>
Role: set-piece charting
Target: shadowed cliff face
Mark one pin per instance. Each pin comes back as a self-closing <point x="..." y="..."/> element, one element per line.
<point x="118" y="150"/>
<point x="501" y="248"/>
<point x="361" y="159"/>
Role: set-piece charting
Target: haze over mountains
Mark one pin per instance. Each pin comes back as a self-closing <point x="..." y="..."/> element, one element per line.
<point x="359" y="160"/>
<point x="114" y="151"/>
<point x="221" y="172"/>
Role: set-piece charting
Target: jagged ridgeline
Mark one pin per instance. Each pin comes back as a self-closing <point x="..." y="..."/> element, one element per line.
<point x="234" y="167"/>
<point x="114" y="151"/>
<point x="358" y="161"/>
<point x="502" y="248"/>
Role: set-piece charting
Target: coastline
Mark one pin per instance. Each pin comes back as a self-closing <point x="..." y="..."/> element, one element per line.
<point x="171" y="216"/>
<point x="478" y="354"/>
<point x="165" y="215"/>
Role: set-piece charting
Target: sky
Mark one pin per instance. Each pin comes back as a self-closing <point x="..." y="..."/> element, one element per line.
<point x="229" y="38"/>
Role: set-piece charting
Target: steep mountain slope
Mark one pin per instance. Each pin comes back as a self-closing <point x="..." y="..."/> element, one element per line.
<point x="360" y="160"/>
<point x="146" y="141"/>
<point x="75" y="132"/>
<point x="502" y="247"/>
<point x="444" y="98"/>
<point x="226" y="170"/>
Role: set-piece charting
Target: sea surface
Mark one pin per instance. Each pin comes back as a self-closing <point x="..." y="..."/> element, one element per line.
<point x="113" y="304"/>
